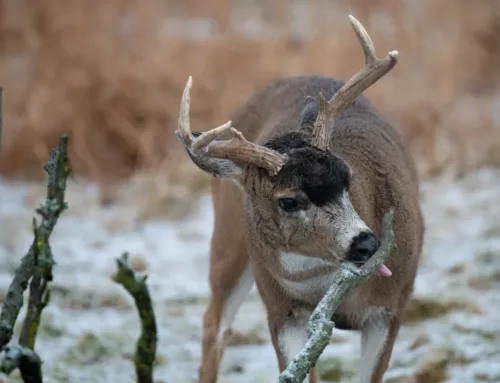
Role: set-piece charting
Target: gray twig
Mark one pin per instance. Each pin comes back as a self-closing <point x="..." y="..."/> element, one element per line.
<point x="320" y="324"/>
<point x="145" y="353"/>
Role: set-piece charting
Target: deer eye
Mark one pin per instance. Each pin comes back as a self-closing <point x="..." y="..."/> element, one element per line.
<point x="288" y="204"/>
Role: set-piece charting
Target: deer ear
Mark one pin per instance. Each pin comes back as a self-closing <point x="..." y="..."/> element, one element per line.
<point x="309" y="113"/>
<point x="217" y="167"/>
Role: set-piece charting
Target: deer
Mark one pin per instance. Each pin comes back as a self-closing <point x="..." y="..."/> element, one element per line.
<point x="301" y="177"/>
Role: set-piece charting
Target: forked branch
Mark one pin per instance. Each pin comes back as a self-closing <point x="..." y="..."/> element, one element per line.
<point x="206" y="146"/>
<point x="39" y="256"/>
<point x="320" y="324"/>
<point x="374" y="69"/>
<point x="36" y="266"/>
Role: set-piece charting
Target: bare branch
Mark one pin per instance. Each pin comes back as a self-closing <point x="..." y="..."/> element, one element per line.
<point x="320" y="324"/>
<point x="145" y="353"/>
<point x="37" y="266"/>
<point x="26" y="360"/>
<point x="39" y="257"/>
<point x="39" y="296"/>
<point x="38" y="300"/>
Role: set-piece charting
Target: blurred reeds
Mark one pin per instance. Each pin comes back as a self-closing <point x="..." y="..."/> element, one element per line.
<point x="110" y="74"/>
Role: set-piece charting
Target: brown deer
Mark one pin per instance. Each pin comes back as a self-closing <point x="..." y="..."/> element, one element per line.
<point x="311" y="181"/>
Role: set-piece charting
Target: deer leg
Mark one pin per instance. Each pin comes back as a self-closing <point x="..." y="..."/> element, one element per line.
<point x="378" y="336"/>
<point x="289" y="336"/>
<point x="231" y="279"/>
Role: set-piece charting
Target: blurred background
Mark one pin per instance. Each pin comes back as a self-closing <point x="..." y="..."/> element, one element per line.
<point x="110" y="75"/>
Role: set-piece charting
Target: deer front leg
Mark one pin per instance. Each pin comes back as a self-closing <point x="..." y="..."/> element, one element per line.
<point x="229" y="289"/>
<point x="289" y="336"/>
<point x="378" y="335"/>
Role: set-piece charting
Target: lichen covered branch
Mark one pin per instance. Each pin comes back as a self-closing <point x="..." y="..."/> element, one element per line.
<point x="36" y="266"/>
<point x="320" y="324"/>
<point x="145" y="353"/>
<point x="38" y="300"/>
<point x="39" y="259"/>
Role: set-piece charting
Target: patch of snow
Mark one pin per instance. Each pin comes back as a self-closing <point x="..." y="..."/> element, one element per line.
<point x="462" y="244"/>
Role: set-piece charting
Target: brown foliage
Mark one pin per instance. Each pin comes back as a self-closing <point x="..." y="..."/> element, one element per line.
<point x="110" y="74"/>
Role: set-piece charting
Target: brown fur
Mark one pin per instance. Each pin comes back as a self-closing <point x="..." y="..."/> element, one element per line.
<point x="383" y="175"/>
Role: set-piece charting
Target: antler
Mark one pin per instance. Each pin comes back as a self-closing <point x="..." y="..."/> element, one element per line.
<point x="374" y="69"/>
<point x="204" y="148"/>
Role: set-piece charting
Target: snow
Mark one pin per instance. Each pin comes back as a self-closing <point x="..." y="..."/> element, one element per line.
<point x="89" y="329"/>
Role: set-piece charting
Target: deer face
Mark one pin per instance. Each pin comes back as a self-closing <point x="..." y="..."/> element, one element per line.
<point x="298" y="192"/>
<point x="306" y="207"/>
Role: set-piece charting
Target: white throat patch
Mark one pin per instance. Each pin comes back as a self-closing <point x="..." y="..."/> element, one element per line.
<point x="294" y="263"/>
<point x="310" y="289"/>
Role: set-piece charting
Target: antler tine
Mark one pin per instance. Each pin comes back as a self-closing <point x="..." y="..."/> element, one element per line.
<point x="239" y="148"/>
<point x="195" y="145"/>
<point x="207" y="137"/>
<point x="365" y="40"/>
<point x="374" y="69"/>
<point x="184" y="124"/>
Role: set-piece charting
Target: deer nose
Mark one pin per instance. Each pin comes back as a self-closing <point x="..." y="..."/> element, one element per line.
<point x="362" y="247"/>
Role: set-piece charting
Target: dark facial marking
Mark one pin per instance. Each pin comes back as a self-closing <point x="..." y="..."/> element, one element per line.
<point x="319" y="174"/>
<point x="288" y="142"/>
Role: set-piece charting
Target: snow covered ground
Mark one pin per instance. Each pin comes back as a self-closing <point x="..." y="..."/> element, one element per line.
<point x="89" y="330"/>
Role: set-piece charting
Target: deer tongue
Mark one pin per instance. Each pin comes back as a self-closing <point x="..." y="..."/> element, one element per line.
<point x="384" y="271"/>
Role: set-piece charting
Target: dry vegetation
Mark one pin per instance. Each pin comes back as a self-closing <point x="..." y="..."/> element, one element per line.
<point x="110" y="74"/>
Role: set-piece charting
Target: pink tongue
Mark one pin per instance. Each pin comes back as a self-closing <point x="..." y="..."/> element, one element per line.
<point x="384" y="271"/>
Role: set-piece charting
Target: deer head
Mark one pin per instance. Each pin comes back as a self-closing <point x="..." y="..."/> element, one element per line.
<point x="297" y="188"/>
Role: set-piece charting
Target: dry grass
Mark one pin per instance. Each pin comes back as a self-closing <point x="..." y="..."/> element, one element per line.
<point x="110" y="74"/>
<point x="420" y="309"/>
